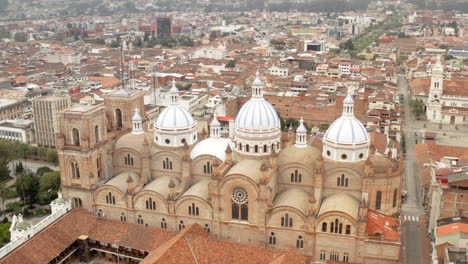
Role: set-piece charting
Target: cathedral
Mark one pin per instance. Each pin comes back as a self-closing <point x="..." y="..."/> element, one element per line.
<point x="332" y="197"/>
<point x="447" y="101"/>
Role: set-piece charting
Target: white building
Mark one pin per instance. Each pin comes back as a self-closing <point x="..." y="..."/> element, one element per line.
<point x="17" y="130"/>
<point x="210" y="52"/>
<point x="446" y="105"/>
<point x="64" y="56"/>
<point x="279" y="71"/>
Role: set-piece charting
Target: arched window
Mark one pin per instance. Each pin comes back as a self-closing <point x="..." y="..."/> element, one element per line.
<point x="265" y="149"/>
<point x="76" y="137"/>
<point x="150" y="204"/>
<point x="140" y="220"/>
<point x="345" y="257"/>
<point x="77" y="203"/>
<point x="128" y="160"/>
<point x="99" y="167"/>
<point x="348" y="229"/>
<point x="336" y="225"/>
<point x="181" y="225"/>
<point x="296" y="176"/>
<point x="207" y="168"/>
<point x="110" y="199"/>
<point x="123" y="218"/>
<point x="193" y="210"/>
<point x="163" y="223"/>
<point x="100" y="213"/>
<point x="256" y="149"/>
<point x="239" y="204"/>
<point x="272" y="239"/>
<point x="340" y="230"/>
<point x="247" y="148"/>
<point x="331" y="227"/>
<point x="96" y="133"/>
<point x="395" y="197"/>
<point x="167" y="164"/>
<point x="240" y="146"/>
<point x="207" y="228"/>
<point x="378" y="200"/>
<point x="299" y="242"/>
<point x="323" y="254"/>
<point x="342" y="181"/>
<point x="286" y="221"/>
<point x="324" y="227"/>
<point x="118" y="118"/>
<point x="75" y="170"/>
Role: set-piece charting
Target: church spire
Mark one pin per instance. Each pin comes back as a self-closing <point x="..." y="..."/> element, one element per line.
<point x="348" y="106"/>
<point x="215" y="127"/>
<point x="257" y="87"/>
<point x="301" y="135"/>
<point x="174" y="92"/>
<point x="137" y="122"/>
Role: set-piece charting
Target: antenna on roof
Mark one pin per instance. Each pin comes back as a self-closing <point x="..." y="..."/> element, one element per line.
<point x="122" y="66"/>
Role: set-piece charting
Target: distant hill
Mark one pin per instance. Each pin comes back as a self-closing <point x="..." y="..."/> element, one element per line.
<point x="458" y="5"/>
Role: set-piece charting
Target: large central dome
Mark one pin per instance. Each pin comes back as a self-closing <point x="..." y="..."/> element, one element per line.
<point x="257" y="114"/>
<point x="258" y="127"/>
<point x="346" y="140"/>
<point x="347" y="130"/>
<point x="175" y="117"/>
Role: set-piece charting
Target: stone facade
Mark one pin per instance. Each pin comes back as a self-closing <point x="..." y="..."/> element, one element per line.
<point x="293" y="198"/>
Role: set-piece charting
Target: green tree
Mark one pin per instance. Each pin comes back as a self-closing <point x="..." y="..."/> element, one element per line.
<point x="100" y="41"/>
<point x="324" y="127"/>
<point x="291" y="121"/>
<point x="27" y="187"/>
<point x="231" y="64"/>
<point x="138" y="43"/>
<point x="49" y="185"/>
<point x="19" y="168"/>
<point x="115" y="44"/>
<point x="3" y="194"/>
<point x="43" y="170"/>
<point x="4" y="169"/>
<point x="449" y="57"/>
<point x="418" y="107"/>
<point x="21" y="37"/>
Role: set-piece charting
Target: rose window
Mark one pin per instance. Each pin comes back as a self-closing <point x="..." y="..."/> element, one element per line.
<point x="239" y="195"/>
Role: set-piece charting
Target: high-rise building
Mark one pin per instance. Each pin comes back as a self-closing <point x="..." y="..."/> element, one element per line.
<point x="45" y="116"/>
<point x="164" y="27"/>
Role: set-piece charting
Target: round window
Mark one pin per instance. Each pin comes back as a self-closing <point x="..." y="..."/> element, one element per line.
<point x="328" y="153"/>
<point x="361" y="155"/>
<point x="183" y="141"/>
<point x="167" y="141"/>
<point x="239" y="195"/>
<point x="344" y="156"/>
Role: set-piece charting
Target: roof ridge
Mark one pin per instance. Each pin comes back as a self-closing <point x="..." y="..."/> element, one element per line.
<point x="191" y="249"/>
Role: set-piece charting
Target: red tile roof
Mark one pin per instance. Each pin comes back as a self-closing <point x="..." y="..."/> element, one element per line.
<point x="384" y="225"/>
<point x="452" y="228"/>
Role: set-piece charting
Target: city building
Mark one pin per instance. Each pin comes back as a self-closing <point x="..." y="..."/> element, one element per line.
<point x="164" y="27"/>
<point x="64" y="56"/>
<point x="447" y="101"/>
<point x="331" y="200"/>
<point x="45" y="111"/>
<point x="17" y="130"/>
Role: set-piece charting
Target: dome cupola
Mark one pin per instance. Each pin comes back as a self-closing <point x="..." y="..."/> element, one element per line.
<point x="175" y="125"/>
<point x="137" y="122"/>
<point x="257" y="127"/>
<point x="301" y="135"/>
<point x="346" y="139"/>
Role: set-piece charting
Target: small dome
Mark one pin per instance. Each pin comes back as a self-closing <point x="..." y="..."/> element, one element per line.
<point x="174" y="117"/>
<point x="257" y="80"/>
<point x="212" y="146"/>
<point x="137" y="116"/>
<point x="346" y="130"/>
<point x="257" y="114"/>
<point x="22" y="225"/>
<point x="215" y="121"/>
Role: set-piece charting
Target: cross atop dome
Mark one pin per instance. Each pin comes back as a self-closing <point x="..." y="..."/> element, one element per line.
<point x="174" y="93"/>
<point x="257" y="87"/>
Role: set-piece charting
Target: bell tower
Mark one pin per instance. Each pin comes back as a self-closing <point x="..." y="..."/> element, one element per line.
<point x="81" y="147"/>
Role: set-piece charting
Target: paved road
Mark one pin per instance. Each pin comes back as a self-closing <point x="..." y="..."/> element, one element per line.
<point x="412" y="210"/>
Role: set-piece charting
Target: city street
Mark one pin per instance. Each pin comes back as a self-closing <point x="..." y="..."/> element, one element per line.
<point x="412" y="210"/>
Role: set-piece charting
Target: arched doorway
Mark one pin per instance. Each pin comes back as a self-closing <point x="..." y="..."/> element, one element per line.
<point x="452" y="120"/>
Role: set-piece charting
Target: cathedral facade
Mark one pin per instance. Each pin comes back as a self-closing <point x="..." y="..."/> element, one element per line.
<point x="331" y="197"/>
